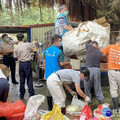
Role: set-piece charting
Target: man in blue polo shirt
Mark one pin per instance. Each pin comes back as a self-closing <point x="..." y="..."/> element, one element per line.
<point x="53" y="61"/>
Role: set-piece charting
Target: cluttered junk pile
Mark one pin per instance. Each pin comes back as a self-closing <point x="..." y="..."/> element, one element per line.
<point x="98" y="30"/>
<point x="78" y="110"/>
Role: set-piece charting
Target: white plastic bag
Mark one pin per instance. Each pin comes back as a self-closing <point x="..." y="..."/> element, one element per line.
<point x="74" y="41"/>
<point x="32" y="106"/>
<point x="76" y="101"/>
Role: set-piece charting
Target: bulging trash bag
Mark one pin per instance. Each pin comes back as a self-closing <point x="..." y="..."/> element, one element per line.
<point x="11" y="108"/>
<point x="74" y="41"/>
<point x="32" y="106"/>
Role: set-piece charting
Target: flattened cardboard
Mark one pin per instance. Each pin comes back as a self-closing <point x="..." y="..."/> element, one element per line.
<point x="5" y="70"/>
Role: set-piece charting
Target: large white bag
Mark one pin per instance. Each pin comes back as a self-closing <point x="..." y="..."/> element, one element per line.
<point x="33" y="105"/>
<point x="74" y="41"/>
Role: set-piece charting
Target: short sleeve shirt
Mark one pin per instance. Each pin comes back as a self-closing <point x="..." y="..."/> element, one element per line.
<point x="69" y="76"/>
<point x="113" y="52"/>
<point x="7" y="46"/>
<point x="61" y="21"/>
<point x="22" y="51"/>
<point x="93" y="56"/>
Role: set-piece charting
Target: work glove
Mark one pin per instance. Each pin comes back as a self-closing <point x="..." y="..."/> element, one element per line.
<point x="73" y="93"/>
<point x="87" y="99"/>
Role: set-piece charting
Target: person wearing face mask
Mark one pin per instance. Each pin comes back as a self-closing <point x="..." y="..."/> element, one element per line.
<point x="62" y="24"/>
<point x="93" y="58"/>
<point x="6" y="48"/>
<point x="65" y="77"/>
<point x="53" y="61"/>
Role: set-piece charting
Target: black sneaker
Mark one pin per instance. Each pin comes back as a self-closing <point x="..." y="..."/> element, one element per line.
<point x="15" y="82"/>
<point x="21" y="96"/>
<point x="32" y="95"/>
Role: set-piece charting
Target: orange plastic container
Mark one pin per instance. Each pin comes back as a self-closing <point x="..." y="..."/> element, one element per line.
<point x="18" y="116"/>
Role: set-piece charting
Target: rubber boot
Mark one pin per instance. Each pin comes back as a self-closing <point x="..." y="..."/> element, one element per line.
<point x="115" y="103"/>
<point x="49" y="101"/>
<point x="63" y="110"/>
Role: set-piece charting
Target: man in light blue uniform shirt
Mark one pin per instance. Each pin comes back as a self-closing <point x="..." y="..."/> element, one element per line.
<point x="53" y="61"/>
<point x="62" y="24"/>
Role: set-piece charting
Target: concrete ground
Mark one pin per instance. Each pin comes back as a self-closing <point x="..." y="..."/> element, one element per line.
<point x="14" y="90"/>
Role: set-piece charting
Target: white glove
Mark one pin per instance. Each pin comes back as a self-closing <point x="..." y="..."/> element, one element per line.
<point x="87" y="99"/>
<point x="73" y="93"/>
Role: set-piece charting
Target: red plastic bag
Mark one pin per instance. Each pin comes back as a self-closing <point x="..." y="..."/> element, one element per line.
<point x="99" y="109"/>
<point x="11" y="108"/>
<point x="18" y="116"/>
<point x="86" y="113"/>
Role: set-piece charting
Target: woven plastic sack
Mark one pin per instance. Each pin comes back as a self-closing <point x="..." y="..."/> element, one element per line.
<point x="11" y="108"/>
<point x="86" y="113"/>
<point x="74" y="41"/>
<point x="55" y="114"/>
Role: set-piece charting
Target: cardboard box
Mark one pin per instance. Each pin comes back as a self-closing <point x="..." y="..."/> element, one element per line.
<point x="104" y="67"/>
<point x="75" y="63"/>
<point x="34" y="49"/>
<point x="5" y="70"/>
<point x="102" y="21"/>
<point x="104" y="59"/>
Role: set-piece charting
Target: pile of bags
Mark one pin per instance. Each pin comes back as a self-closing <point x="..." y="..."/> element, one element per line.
<point x="78" y="109"/>
<point x="81" y="109"/>
<point x="102" y="113"/>
<point x="74" y="41"/>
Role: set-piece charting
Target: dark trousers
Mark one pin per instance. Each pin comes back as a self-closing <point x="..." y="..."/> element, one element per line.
<point x="4" y="89"/>
<point x="95" y="81"/>
<point x="25" y="71"/>
<point x="10" y="62"/>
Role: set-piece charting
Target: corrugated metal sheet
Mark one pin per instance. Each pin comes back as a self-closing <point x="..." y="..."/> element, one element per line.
<point x="38" y="32"/>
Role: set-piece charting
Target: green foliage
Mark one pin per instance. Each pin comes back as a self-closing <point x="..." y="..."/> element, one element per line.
<point x="28" y="16"/>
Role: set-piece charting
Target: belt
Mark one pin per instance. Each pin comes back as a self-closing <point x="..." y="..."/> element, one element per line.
<point x="117" y="70"/>
<point x="58" y="76"/>
<point x="24" y="61"/>
<point x="93" y="67"/>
